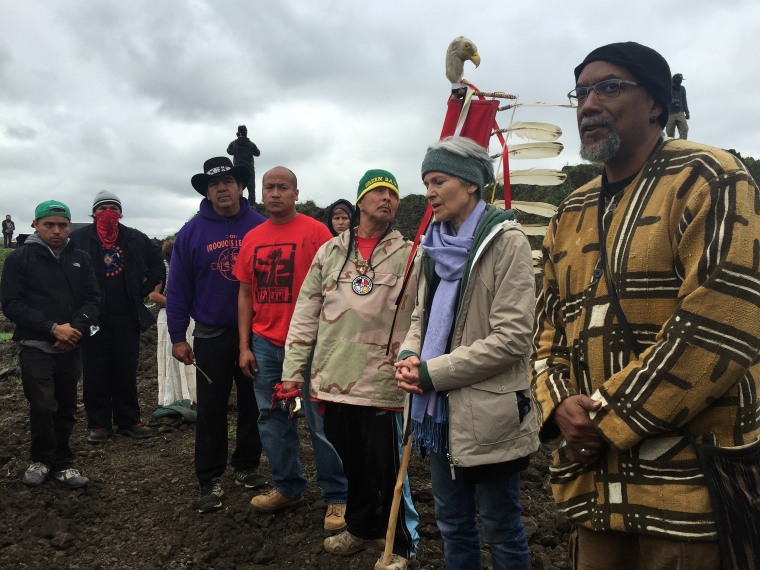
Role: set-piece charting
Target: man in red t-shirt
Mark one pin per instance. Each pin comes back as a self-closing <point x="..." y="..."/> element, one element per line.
<point x="271" y="267"/>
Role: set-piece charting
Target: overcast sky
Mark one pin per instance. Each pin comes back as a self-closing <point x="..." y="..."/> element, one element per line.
<point x="134" y="96"/>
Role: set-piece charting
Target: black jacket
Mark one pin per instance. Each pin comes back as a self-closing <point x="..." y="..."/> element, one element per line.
<point x="143" y="268"/>
<point x="243" y="150"/>
<point x="37" y="290"/>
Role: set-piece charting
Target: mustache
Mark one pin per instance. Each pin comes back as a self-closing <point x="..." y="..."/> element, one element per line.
<point x="596" y="121"/>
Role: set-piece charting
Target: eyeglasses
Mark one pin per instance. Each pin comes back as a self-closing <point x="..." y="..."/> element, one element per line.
<point x="607" y="89"/>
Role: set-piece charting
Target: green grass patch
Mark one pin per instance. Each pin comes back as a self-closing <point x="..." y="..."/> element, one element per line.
<point x="4" y="337"/>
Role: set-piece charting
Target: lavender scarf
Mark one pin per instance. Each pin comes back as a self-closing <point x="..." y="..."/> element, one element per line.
<point x="449" y="251"/>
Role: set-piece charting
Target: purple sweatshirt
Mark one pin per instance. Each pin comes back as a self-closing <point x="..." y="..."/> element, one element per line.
<point x="200" y="281"/>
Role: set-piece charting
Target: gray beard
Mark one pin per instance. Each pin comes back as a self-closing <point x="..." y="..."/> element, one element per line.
<point x="606" y="149"/>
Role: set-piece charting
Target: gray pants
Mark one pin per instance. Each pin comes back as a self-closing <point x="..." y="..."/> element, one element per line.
<point x="677" y="120"/>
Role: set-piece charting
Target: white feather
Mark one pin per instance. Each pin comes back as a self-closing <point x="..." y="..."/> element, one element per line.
<point x="536" y="176"/>
<point x="535" y="131"/>
<point x="535" y="150"/>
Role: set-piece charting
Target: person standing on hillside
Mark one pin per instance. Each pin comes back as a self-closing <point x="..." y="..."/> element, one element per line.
<point x="50" y="293"/>
<point x="647" y="324"/>
<point x="678" y="109"/>
<point x="243" y="150"/>
<point x="201" y="285"/>
<point x="128" y="266"/>
<point x="8" y="228"/>
<point x="273" y="262"/>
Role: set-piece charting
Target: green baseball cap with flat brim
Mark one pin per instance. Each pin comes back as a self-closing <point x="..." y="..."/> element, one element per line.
<point x="52" y="208"/>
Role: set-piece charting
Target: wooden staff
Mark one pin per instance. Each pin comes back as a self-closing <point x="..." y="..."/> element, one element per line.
<point x="390" y="534"/>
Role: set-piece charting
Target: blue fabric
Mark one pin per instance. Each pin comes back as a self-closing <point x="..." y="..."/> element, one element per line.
<point x="498" y="503"/>
<point x="449" y="250"/>
<point x="279" y="433"/>
<point x="330" y="475"/>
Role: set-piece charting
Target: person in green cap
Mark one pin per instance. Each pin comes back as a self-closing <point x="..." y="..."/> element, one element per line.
<point x="49" y="291"/>
<point x="343" y="313"/>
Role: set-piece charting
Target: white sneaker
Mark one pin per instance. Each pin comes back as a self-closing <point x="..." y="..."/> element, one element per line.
<point x="35" y="474"/>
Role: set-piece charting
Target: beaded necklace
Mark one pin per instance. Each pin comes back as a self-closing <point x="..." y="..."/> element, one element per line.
<point x="363" y="283"/>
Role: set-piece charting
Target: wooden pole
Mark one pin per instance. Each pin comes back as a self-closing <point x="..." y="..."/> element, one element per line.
<point x="390" y="534"/>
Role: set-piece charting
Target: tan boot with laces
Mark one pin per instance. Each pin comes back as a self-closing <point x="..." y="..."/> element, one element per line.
<point x="334" y="517"/>
<point x="274" y="501"/>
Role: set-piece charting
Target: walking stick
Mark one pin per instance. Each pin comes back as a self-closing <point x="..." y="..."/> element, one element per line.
<point x="390" y="534"/>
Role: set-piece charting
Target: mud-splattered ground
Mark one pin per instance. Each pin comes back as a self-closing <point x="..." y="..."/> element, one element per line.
<point x="137" y="512"/>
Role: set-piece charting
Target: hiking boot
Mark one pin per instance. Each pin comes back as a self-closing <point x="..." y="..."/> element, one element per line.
<point x="138" y="431"/>
<point x="274" y="501"/>
<point x="98" y="435"/>
<point x="70" y="478"/>
<point x="249" y="478"/>
<point x="334" y="517"/>
<point x="211" y="497"/>
<point x="35" y="474"/>
<point x="346" y="544"/>
<point x="397" y="563"/>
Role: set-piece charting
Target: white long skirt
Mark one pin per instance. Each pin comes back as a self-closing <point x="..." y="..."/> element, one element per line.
<point x="176" y="381"/>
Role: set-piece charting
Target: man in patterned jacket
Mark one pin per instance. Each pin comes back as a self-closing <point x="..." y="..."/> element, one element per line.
<point x="680" y="250"/>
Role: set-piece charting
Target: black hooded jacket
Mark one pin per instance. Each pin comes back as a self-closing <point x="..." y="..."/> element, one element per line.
<point x="331" y="210"/>
<point x="38" y="290"/>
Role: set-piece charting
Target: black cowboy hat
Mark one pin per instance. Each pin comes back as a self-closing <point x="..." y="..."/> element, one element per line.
<point x="215" y="167"/>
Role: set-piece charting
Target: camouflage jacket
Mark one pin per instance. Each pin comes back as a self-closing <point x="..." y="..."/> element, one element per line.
<point x="350" y="362"/>
<point x="682" y="246"/>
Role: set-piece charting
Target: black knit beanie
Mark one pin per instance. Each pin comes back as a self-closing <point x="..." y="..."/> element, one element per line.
<point x="649" y="67"/>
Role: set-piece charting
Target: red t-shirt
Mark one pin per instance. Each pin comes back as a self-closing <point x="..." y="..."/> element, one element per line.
<point x="274" y="260"/>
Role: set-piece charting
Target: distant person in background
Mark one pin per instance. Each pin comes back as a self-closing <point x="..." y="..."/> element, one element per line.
<point x="50" y="293"/>
<point x="338" y="216"/>
<point x="176" y="381"/>
<point x="128" y="266"/>
<point x="243" y="151"/>
<point x="8" y="228"/>
<point x="201" y="286"/>
<point x="679" y="109"/>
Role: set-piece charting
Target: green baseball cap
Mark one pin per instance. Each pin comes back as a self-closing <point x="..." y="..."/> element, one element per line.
<point x="52" y="208"/>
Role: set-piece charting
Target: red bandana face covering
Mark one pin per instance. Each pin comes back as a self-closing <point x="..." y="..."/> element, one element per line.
<point x="107" y="226"/>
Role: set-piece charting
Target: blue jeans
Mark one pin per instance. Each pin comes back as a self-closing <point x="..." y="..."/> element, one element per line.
<point x="330" y="476"/>
<point x="279" y="433"/>
<point x="497" y="501"/>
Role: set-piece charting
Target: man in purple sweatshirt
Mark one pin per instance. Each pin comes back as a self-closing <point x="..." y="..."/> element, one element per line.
<point x="201" y="285"/>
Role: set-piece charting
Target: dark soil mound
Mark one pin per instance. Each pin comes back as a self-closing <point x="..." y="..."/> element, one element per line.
<point x="137" y="512"/>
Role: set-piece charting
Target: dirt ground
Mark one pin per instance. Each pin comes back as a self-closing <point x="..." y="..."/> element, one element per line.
<point x="137" y="511"/>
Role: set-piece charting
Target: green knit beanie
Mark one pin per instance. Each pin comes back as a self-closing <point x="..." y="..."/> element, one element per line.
<point x="374" y="178"/>
<point x="463" y="167"/>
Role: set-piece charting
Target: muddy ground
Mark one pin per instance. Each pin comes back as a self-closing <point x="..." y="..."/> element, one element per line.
<point x="137" y="511"/>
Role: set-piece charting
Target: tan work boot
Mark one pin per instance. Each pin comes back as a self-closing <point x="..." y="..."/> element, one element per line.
<point x="346" y="544"/>
<point x="334" y="517"/>
<point x="397" y="563"/>
<point x="274" y="501"/>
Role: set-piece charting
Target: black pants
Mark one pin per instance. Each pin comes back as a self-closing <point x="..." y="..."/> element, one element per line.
<point x="109" y="360"/>
<point x="7" y="239"/>
<point x="218" y="357"/>
<point x="367" y="440"/>
<point x="251" y="186"/>
<point x="50" y="385"/>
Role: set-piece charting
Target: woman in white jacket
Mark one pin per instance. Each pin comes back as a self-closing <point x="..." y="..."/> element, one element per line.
<point x="468" y="366"/>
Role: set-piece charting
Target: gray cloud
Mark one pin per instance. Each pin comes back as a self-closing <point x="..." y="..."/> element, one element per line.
<point x="134" y="96"/>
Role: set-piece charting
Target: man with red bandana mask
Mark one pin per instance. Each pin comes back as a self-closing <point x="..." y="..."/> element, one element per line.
<point x="128" y="266"/>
